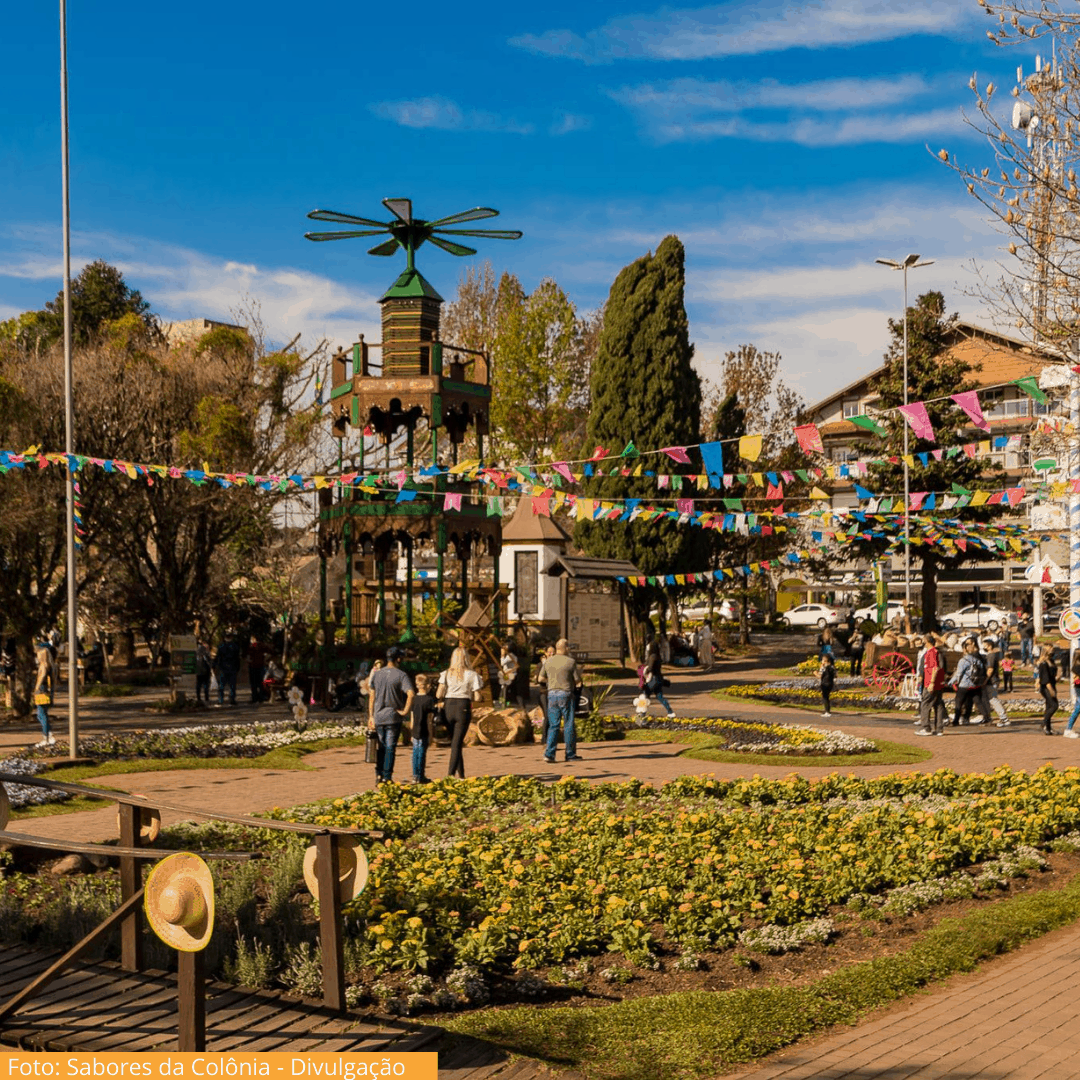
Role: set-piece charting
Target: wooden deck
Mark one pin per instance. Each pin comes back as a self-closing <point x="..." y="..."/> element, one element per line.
<point x="99" y="1006"/>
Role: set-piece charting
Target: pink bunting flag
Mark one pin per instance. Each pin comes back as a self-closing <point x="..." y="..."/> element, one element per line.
<point x="400" y="479"/>
<point x="677" y="453"/>
<point x="541" y="505"/>
<point x="1014" y="494"/>
<point x="684" y="506"/>
<point x="598" y="453"/>
<point x="776" y="492"/>
<point x="916" y="416"/>
<point x="917" y="499"/>
<point x="563" y="470"/>
<point x="809" y="439"/>
<point x="452" y="500"/>
<point x="969" y="402"/>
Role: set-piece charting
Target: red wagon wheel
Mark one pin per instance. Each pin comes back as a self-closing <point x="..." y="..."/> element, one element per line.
<point x="888" y="672"/>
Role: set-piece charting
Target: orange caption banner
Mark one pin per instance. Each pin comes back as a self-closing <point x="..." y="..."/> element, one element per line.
<point x="274" y="1064"/>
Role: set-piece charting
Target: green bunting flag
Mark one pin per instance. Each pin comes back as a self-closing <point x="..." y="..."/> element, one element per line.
<point x="868" y="424"/>
<point x="1030" y="385"/>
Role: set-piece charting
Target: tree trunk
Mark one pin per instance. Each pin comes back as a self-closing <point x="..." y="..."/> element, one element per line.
<point x="633" y="637"/>
<point x="929" y="592"/>
<point x="124" y="641"/>
<point x="22" y="687"/>
<point x="744" y="614"/>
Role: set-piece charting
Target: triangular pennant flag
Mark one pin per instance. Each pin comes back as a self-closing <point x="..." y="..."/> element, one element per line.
<point x="563" y="470"/>
<point x="712" y="457"/>
<point x="750" y="447"/>
<point x="867" y="424"/>
<point x="809" y="439"/>
<point x="969" y="402"/>
<point x="1030" y="385"/>
<point x="630" y="450"/>
<point x="916" y="416"/>
<point x="677" y="453"/>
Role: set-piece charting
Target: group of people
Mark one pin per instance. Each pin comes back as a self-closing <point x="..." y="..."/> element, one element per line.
<point x="985" y="665"/>
<point x="427" y="702"/>
<point x="220" y="670"/>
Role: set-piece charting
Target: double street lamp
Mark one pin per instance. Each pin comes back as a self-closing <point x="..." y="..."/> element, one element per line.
<point x="910" y="263"/>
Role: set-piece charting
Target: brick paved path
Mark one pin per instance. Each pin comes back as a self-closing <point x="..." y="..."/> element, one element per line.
<point x="1017" y="1018"/>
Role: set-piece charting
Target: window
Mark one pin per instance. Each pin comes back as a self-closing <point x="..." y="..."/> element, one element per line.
<point x="526" y="583"/>
<point x="997" y="407"/>
<point x="851" y="408"/>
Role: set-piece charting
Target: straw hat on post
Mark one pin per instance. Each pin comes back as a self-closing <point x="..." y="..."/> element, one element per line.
<point x="149" y="823"/>
<point x="179" y="902"/>
<point x="352" y="869"/>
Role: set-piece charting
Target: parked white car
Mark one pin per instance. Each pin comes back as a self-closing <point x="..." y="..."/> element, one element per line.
<point x="975" y="617"/>
<point x="892" y="609"/>
<point x="811" y="615"/>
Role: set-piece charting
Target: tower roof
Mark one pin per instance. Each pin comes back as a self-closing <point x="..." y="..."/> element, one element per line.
<point x="525" y="527"/>
<point x="410" y="285"/>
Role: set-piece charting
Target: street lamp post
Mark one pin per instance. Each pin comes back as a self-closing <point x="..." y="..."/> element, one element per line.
<point x="911" y="262"/>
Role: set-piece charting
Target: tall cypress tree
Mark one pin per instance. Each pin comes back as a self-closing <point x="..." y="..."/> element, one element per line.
<point x="645" y="391"/>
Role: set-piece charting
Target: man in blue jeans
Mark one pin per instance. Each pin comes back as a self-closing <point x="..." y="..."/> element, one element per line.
<point x="391" y="702"/>
<point x="561" y="676"/>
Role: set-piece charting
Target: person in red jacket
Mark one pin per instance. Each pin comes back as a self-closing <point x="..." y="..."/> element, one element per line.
<point x="932" y="681"/>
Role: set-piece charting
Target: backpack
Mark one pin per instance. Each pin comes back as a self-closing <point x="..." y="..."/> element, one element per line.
<point x="978" y="669"/>
<point x="641" y="677"/>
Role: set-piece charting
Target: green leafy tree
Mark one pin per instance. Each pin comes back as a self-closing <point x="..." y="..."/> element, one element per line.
<point x="645" y="391"/>
<point x="157" y="553"/>
<point x="100" y="298"/>
<point x="541" y="351"/>
<point x="933" y="373"/>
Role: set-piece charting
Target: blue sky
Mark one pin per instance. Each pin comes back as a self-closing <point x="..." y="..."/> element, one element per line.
<point x="785" y="143"/>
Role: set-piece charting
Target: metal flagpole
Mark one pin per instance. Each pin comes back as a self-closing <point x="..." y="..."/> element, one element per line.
<point x="1074" y="509"/>
<point x="69" y="407"/>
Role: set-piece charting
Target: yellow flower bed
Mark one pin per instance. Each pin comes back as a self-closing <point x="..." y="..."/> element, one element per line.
<point x="510" y="871"/>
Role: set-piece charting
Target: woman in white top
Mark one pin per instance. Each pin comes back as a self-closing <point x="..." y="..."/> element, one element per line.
<point x="459" y="687"/>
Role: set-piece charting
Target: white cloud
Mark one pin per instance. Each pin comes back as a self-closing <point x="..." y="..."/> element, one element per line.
<point x="828" y="112"/>
<point x="182" y="284"/>
<point x="446" y="115"/>
<point x="749" y="28"/>
<point x="570" y="122"/>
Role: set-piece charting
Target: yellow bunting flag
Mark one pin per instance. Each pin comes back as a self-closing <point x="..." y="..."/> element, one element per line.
<point x="817" y="493"/>
<point x="750" y="447"/>
<point x="757" y="479"/>
<point x="584" y="509"/>
<point x="979" y="498"/>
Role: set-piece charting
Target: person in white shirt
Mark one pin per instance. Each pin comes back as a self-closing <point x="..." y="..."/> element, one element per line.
<point x="459" y="686"/>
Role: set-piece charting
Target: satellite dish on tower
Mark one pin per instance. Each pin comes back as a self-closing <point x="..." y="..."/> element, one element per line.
<point x="1022" y="116"/>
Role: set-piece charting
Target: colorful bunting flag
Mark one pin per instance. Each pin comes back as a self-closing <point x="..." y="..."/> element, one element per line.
<point x="916" y="416"/>
<point x="969" y="402"/>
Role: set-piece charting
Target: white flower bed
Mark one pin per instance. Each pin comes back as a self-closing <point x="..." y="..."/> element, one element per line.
<point x="831" y="742"/>
<point x="784" y="939"/>
<point x="20" y="795"/>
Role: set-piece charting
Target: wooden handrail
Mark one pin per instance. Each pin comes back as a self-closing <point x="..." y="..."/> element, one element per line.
<point x="152" y="804"/>
<point x="76" y="848"/>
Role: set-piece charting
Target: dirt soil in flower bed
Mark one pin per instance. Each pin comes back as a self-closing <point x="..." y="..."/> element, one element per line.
<point x="857" y="939"/>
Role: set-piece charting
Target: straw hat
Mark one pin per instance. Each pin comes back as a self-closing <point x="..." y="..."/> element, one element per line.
<point x="149" y="822"/>
<point x="5" y="807"/>
<point x="179" y="902"/>
<point x="352" y="869"/>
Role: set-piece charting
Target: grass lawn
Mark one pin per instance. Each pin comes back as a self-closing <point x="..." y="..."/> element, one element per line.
<point x="694" y="1035"/>
<point x="285" y="757"/>
<point x="703" y="747"/>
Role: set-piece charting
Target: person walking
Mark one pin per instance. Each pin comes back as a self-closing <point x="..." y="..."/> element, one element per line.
<point x="423" y="720"/>
<point x="827" y="677"/>
<point x="562" y="677"/>
<point x="705" y="647"/>
<point x="227" y="667"/>
<point x="459" y="686"/>
<point x="989" y="699"/>
<point x="203" y="670"/>
<point x="857" y="645"/>
<point x="391" y="702"/>
<point x="508" y="669"/>
<point x="43" y="685"/>
<point x="1068" y="732"/>
<point x="932" y="677"/>
<point x="826" y="643"/>
<point x="654" y="678"/>
<point x="548" y="652"/>
<point x="1047" y="676"/>
<point x="967" y="681"/>
<point x="1026" y="631"/>
<point x="1007" y="664"/>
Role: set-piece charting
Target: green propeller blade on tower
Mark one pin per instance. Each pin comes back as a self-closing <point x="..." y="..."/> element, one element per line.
<point x="409" y="233"/>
